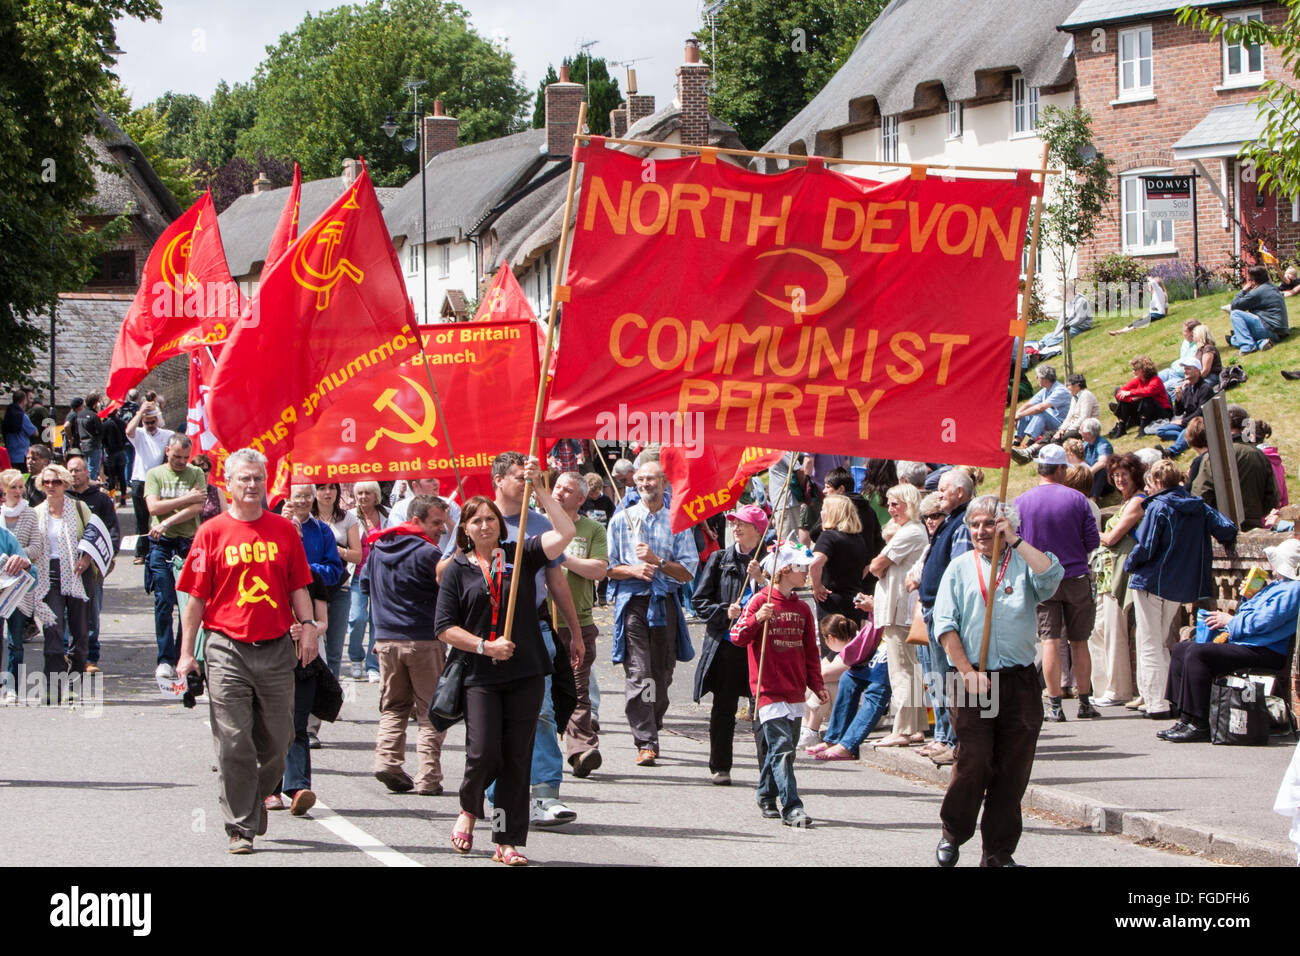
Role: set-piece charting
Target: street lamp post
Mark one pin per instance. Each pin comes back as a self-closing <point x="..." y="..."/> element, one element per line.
<point x="416" y="143"/>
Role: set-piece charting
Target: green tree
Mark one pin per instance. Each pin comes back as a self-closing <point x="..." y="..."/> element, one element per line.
<point x="1276" y="153"/>
<point x="324" y="89"/>
<point x="54" y="67"/>
<point x="180" y="113"/>
<point x="772" y="56"/>
<point x="1075" y="201"/>
<point x="604" y="95"/>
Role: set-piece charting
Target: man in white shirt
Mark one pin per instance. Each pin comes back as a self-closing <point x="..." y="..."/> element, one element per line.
<point x="150" y="444"/>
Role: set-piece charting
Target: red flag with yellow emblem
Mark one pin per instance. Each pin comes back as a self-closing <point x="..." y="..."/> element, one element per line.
<point x="186" y="299"/>
<point x="286" y="229"/>
<point x="709" y="480"/>
<point x="332" y="310"/>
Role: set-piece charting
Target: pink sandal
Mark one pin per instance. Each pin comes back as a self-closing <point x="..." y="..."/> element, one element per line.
<point x="846" y="755"/>
<point x="461" y="841"/>
<point x="510" y="857"/>
<point x="815" y="749"/>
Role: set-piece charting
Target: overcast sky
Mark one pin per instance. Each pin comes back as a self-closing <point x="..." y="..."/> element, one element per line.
<point x="199" y="42"/>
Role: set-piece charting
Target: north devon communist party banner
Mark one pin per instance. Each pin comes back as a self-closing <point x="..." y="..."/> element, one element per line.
<point x="808" y="309"/>
<point x="387" y="427"/>
<point x="333" y="308"/>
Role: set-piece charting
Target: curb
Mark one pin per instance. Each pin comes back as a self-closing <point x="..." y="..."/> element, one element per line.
<point x="1105" y="818"/>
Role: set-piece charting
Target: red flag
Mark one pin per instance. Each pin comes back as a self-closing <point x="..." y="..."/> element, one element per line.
<point x="708" y="481"/>
<point x="797" y="307"/>
<point x="387" y="427"/>
<point x="286" y="229"/>
<point x="186" y="299"/>
<point x="505" y="301"/>
<point x="332" y="309"/>
<point x="197" y="426"/>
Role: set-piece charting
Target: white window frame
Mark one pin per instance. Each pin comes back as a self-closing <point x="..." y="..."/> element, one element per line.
<point x="1162" y="246"/>
<point x="1024" y="107"/>
<point x="956" y="120"/>
<point x="1137" y="90"/>
<point x="444" y="261"/>
<point x="1244" y="76"/>
<point x="413" y="260"/>
<point x="889" y="139"/>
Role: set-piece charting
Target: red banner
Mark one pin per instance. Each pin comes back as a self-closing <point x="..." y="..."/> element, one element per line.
<point x="505" y="301"/>
<point x="331" y="310"/>
<point x="708" y="481"/>
<point x="822" y="312"/>
<point x="186" y="299"/>
<point x="286" y="228"/>
<point x="387" y="427"/>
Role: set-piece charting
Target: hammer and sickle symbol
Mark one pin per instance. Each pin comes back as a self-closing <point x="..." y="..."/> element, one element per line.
<point x="328" y="234"/>
<point x="256" y="594"/>
<point x="836" y="284"/>
<point x="420" y="431"/>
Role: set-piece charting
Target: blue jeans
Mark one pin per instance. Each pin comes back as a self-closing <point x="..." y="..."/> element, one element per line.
<point x="163" y="579"/>
<point x="777" y="776"/>
<point x="935" y="670"/>
<point x="548" y="762"/>
<point x="1175" y="433"/>
<point x="297" y="765"/>
<point x="1249" y="331"/>
<point x="93" y="461"/>
<point x="1036" y="425"/>
<point x="336" y="627"/>
<point x="17" y="621"/>
<point x="358" y="620"/>
<point x="851" y="721"/>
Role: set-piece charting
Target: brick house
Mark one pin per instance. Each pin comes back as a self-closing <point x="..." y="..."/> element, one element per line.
<point x="1167" y="98"/>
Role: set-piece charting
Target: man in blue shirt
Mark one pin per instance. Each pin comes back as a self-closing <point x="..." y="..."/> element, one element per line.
<point x="1096" y="455"/>
<point x="1039" y="417"/>
<point x="996" y="711"/>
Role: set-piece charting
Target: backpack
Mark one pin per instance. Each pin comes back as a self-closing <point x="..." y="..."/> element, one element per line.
<point x="1231" y="377"/>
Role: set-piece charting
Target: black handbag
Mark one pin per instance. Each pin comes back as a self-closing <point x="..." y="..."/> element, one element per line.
<point x="1238" y="714"/>
<point x="447" y="706"/>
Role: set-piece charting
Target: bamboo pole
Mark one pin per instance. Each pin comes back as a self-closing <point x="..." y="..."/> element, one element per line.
<point x="794" y="157"/>
<point x="771" y="587"/>
<point x="1011" y="420"/>
<point x="562" y="267"/>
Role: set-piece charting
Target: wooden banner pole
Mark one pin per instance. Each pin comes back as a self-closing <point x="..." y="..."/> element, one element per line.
<point x="1011" y="420"/>
<point x="540" y="406"/>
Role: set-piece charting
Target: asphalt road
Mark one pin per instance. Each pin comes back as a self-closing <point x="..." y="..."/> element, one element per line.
<point x="130" y="777"/>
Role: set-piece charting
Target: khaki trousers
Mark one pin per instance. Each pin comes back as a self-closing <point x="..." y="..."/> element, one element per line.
<point x="579" y="736"/>
<point x="1108" y="647"/>
<point x="250" y="704"/>
<point x="1155" y="623"/>
<point x="905" y="683"/>
<point x="408" y="674"/>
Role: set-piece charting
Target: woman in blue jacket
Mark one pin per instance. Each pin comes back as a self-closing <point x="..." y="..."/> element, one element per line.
<point x="1169" y="567"/>
<point x="1259" y="635"/>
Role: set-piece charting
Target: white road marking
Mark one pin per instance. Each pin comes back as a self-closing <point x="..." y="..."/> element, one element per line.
<point x="359" y="838"/>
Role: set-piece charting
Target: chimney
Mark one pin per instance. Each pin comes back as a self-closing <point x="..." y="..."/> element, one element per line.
<point x="618" y="121"/>
<point x="563" y="101"/>
<point x="638" y="107"/>
<point x="261" y="184"/>
<point x="693" y="95"/>
<point x="351" y="170"/>
<point x="440" y="132"/>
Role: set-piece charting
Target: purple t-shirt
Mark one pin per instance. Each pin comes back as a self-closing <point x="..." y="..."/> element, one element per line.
<point x="1057" y="519"/>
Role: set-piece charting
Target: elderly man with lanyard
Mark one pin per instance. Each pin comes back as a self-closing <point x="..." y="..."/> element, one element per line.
<point x="996" y="710"/>
<point x="247" y="577"/>
<point x="950" y="540"/>
<point x="648" y="565"/>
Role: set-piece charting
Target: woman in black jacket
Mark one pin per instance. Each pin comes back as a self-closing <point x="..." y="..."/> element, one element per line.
<point x="729" y="579"/>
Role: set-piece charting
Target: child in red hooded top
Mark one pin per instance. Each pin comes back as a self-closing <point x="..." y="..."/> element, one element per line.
<point x="777" y="620"/>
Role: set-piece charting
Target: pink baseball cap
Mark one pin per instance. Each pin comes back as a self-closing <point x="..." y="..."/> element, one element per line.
<point x="750" y="514"/>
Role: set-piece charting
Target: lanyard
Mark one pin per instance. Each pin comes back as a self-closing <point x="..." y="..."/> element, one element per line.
<point x="494" y="590"/>
<point x="1002" y="571"/>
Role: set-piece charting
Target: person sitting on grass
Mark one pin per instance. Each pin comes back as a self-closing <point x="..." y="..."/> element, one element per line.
<point x="863" y="695"/>
<point x="1140" y="401"/>
<point x="1045" y="411"/>
<point x="777" y="627"/>
<point x="1083" y="405"/>
<point x="1158" y="309"/>
<point x="1192" y="396"/>
<point x="1257" y="313"/>
<point x="1173" y="375"/>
